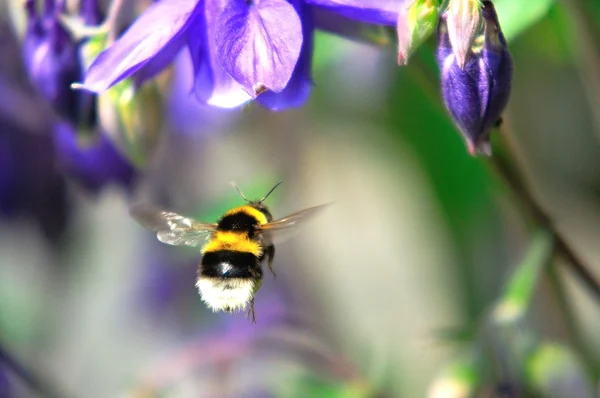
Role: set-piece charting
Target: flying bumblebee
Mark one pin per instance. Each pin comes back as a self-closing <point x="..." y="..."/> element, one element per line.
<point x="233" y="250"/>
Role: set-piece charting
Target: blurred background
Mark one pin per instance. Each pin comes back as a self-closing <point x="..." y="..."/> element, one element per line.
<point x="380" y="296"/>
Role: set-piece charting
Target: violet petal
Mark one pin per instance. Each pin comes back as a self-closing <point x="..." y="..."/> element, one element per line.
<point x="212" y="85"/>
<point x="499" y="63"/>
<point x="156" y="30"/>
<point x="328" y="20"/>
<point x="259" y="44"/>
<point x="299" y="87"/>
<point x="373" y="11"/>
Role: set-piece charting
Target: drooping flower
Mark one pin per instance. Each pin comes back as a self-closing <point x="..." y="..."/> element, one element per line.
<point x="241" y="49"/>
<point x="476" y="94"/>
<point x="53" y="59"/>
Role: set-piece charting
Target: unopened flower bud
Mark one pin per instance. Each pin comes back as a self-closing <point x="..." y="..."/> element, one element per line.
<point x="129" y="114"/>
<point x="132" y="117"/>
<point x="464" y="23"/>
<point x="476" y="94"/>
<point x="415" y="24"/>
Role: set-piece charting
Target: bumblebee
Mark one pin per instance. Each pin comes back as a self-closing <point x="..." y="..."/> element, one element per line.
<point x="233" y="250"/>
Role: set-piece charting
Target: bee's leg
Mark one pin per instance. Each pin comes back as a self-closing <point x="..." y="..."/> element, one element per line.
<point x="270" y="257"/>
<point x="251" y="312"/>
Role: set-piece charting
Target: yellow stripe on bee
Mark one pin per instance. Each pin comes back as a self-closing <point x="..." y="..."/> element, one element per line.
<point x="236" y="241"/>
<point x="251" y="211"/>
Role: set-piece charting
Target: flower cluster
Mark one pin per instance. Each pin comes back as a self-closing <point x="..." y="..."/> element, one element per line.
<point x="243" y="50"/>
<point x="262" y="49"/>
<point x="240" y="49"/>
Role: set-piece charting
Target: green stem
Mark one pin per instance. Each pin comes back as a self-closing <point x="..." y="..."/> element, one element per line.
<point x="501" y="164"/>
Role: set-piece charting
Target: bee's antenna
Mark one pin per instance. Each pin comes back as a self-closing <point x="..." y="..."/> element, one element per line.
<point x="272" y="189"/>
<point x="239" y="191"/>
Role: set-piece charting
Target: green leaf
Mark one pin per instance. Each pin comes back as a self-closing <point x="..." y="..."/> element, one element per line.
<point x="515" y="301"/>
<point x="516" y="16"/>
<point x="418" y="122"/>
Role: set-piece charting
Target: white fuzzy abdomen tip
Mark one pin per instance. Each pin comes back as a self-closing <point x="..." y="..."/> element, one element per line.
<point x="226" y="294"/>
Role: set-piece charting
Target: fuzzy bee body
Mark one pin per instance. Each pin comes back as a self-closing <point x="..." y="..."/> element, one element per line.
<point x="230" y="272"/>
<point x="233" y="249"/>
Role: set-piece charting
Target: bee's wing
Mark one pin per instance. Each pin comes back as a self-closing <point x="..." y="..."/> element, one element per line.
<point x="171" y="228"/>
<point x="277" y="230"/>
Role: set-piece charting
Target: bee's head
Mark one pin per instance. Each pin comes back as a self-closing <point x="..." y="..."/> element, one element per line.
<point x="258" y="204"/>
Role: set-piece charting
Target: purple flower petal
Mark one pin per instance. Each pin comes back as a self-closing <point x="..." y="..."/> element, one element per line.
<point x="259" y="43"/>
<point x="372" y="11"/>
<point x="185" y="113"/>
<point x="499" y="64"/>
<point x="160" y="61"/>
<point x="212" y="85"/>
<point x="93" y="164"/>
<point x="156" y="31"/>
<point x="340" y="25"/>
<point x="52" y="62"/>
<point x="298" y="88"/>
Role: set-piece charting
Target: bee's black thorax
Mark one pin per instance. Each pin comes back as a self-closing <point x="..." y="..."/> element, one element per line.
<point x="238" y="222"/>
<point x="244" y="220"/>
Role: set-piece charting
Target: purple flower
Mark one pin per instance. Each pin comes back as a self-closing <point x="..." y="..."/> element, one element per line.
<point x="477" y="94"/>
<point x="53" y="61"/>
<point x="240" y="49"/>
<point x="52" y="58"/>
<point x="384" y="12"/>
<point x="92" y="161"/>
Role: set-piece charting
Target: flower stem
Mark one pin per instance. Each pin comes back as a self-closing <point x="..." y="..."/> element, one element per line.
<point x="35" y="382"/>
<point x="501" y="164"/>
